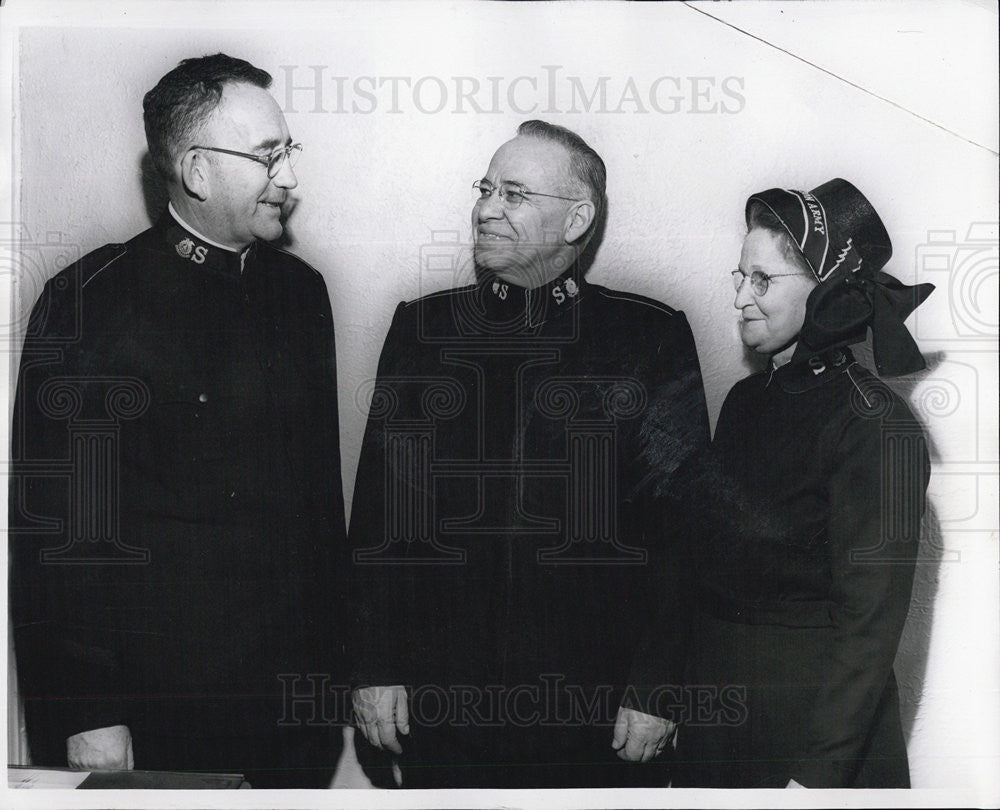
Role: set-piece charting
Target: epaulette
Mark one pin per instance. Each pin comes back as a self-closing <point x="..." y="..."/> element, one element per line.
<point x="634" y="298"/>
<point x="55" y="315"/>
<point x="441" y="294"/>
<point x="289" y="256"/>
<point x="97" y="260"/>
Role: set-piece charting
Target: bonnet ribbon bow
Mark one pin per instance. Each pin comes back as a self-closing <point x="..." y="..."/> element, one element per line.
<point x="837" y="312"/>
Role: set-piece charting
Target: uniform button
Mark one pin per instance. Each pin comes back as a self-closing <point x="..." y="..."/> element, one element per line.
<point x="203" y="397"/>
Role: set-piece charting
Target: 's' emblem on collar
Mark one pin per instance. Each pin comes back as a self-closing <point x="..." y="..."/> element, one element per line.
<point x="570" y="288"/>
<point x="186" y="249"/>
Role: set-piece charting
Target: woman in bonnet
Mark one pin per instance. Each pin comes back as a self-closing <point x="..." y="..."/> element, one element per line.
<point x="804" y="583"/>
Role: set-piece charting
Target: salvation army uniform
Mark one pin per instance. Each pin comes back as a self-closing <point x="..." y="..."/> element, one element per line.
<point x="804" y="591"/>
<point x="805" y="572"/>
<point x="176" y="508"/>
<point x="514" y="524"/>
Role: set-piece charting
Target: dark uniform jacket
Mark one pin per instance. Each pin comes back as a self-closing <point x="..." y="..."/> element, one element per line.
<point x="805" y="583"/>
<point x="176" y="504"/>
<point x="513" y="525"/>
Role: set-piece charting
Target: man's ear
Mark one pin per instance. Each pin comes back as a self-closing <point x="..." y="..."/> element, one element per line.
<point x="578" y="220"/>
<point x="194" y="174"/>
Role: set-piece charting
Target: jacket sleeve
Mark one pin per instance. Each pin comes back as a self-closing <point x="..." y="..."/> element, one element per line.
<point x="68" y="669"/>
<point x="377" y="585"/>
<point x="675" y="440"/>
<point x="335" y="630"/>
<point x="876" y="491"/>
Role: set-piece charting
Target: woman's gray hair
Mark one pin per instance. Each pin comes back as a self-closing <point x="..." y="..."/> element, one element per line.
<point x="760" y="216"/>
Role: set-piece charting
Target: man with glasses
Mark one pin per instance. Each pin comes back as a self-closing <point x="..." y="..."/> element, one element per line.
<point x="174" y="584"/>
<point x="515" y="523"/>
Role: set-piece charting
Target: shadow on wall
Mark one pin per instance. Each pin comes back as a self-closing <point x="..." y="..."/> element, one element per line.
<point x="155" y="198"/>
<point x="154" y="190"/>
<point x="914" y="645"/>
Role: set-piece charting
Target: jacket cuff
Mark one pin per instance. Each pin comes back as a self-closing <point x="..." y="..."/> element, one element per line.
<point x="90" y="715"/>
<point x="660" y="700"/>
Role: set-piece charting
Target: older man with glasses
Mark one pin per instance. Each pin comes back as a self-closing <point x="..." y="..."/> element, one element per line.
<point x="177" y="513"/>
<point x="516" y="527"/>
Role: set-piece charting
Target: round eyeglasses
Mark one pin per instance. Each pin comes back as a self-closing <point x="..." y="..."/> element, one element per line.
<point x="511" y="194"/>
<point x="273" y="161"/>
<point x="759" y="280"/>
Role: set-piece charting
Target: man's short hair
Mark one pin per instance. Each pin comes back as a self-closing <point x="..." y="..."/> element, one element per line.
<point x="185" y="97"/>
<point x="587" y="166"/>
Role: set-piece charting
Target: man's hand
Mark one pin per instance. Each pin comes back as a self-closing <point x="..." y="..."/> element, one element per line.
<point x="101" y="749"/>
<point x="381" y="711"/>
<point x="639" y="736"/>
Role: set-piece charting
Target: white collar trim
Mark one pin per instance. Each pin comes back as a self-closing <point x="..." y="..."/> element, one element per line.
<point x="201" y="236"/>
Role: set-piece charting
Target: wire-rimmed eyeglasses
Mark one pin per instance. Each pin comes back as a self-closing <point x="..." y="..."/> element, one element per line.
<point x="759" y="280"/>
<point x="511" y="194"/>
<point x="273" y="161"/>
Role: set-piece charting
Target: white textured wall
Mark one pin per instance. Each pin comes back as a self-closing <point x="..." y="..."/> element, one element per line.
<point x="375" y="187"/>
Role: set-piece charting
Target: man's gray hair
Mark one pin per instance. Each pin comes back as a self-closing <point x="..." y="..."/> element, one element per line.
<point x="586" y="165"/>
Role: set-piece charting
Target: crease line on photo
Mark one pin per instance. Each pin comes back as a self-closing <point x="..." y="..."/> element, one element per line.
<point x="838" y="77"/>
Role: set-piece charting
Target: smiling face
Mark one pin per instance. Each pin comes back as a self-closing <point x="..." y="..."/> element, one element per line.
<point x="241" y="203"/>
<point x="771" y="322"/>
<point x="534" y="243"/>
